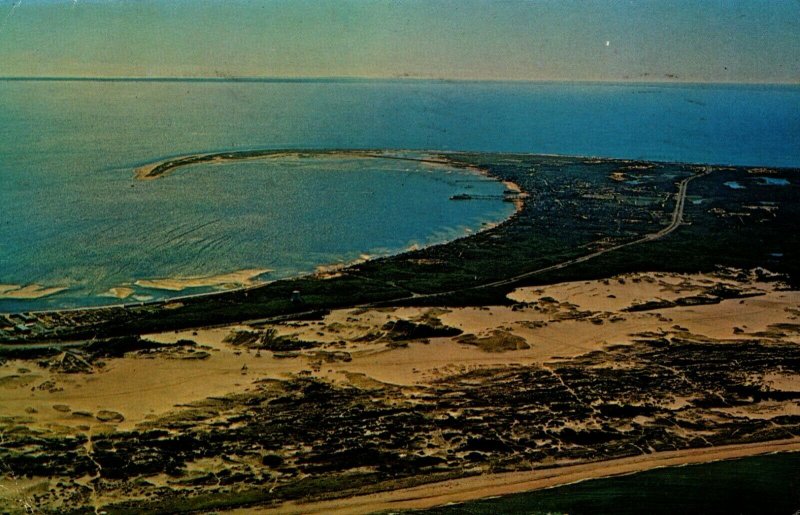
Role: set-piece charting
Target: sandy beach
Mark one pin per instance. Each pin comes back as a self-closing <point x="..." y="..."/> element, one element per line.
<point x="472" y="488"/>
<point x="30" y="291"/>
<point x="230" y="280"/>
<point x="120" y="292"/>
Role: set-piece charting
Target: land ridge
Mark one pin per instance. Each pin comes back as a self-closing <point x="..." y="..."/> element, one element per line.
<point x="162" y="167"/>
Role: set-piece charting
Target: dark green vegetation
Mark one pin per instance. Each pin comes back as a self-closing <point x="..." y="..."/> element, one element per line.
<point x="88" y="356"/>
<point x="763" y="484"/>
<point x="307" y="438"/>
<point x="167" y="166"/>
<point x="575" y="207"/>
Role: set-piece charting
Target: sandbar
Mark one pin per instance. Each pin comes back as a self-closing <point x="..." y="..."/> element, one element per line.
<point x="120" y="292"/>
<point x="30" y="291"/>
<point x="232" y="279"/>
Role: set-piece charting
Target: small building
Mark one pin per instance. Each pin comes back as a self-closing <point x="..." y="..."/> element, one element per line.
<point x="296" y="298"/>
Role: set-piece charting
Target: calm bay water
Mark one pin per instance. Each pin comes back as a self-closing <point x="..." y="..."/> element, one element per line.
<point x="72" y="215"/>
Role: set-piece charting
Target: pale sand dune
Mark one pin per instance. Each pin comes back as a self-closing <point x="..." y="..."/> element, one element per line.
<point x="30" y="291"/>
<point x="233" y="279"/>
<point x="551" y="332"/>
<point x="623" y="291"/>
<point x="139" y="387"/>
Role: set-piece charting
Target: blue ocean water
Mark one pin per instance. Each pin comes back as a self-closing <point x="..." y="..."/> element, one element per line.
<point x="72" y="215"/>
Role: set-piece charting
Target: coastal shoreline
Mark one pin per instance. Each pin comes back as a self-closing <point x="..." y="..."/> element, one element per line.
<point x="161" y="168"/>
<point x="491" y="485"/>
<point x="520" y="252"/>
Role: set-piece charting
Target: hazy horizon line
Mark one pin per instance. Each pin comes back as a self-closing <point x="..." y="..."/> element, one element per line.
<point x="353" y="78"/>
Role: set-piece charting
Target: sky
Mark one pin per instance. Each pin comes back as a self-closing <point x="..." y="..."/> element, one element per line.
<point x="587" y="40"/>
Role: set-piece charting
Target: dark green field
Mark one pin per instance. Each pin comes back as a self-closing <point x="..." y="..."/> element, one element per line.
<point x="763" y="484"/>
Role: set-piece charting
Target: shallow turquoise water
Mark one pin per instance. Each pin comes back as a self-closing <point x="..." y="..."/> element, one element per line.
<point x="71" y="214"/>
<point x="773" y="181"/>
<point x="734" y="185"/>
